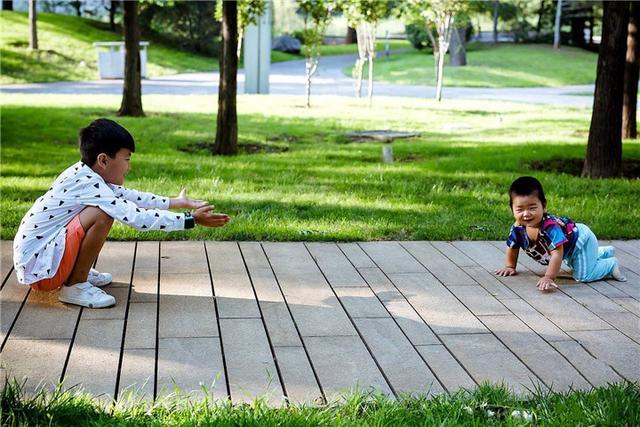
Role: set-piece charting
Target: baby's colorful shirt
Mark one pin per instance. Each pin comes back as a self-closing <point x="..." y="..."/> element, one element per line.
<point x="555" y="231"/>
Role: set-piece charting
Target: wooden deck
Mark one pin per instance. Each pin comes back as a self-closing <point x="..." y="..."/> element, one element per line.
<point x="307" y="321"/>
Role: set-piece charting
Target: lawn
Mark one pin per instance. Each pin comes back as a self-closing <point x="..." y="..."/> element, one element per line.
<point x="448" y="183"/>
<point x="615" y="404"/>
<point x="504" y="65"/>
<point x="67" y="52"/>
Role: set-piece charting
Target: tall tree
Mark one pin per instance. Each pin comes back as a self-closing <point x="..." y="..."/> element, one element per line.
<point x="631" y="74"/>
<point x="558" y="23"/>
<point x="604" y="149"/>
<point x="227" y="130"/>
<point x="113" y="7"/>
<point x="7" y="4"/>
<point x="132" y="88"/>
<point x="317" y="14"/>
<point x="364" y="16"/>
<point x="33" y="29"/>
<point x="496" y="11"/>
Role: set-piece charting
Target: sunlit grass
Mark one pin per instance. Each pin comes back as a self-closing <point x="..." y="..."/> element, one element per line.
<point x="504" y="65"/>
<point x="614" y="404"/>
<point x="448" y="183"/>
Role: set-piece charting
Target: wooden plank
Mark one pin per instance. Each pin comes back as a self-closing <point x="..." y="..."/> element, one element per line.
<point x="343" y="363"/>
<point x="486" y="359"/>
<point x="380" y="284"/>
<point x="592" y="299"/>
<point x="489" y="281"/>
<point x="191" y="364"/>
<point x="44" y="317"/>
<point x="597" y="372"/>
<point x="478" y="300"/>
<point x="12" y="296"/>
<point x="137" y="373"/>
<point x="398" y="359"/>
<point x="297" y="375"/>
<point x="436" y="305"/>
<point x="6" y="259"/>
<point x="483" y="253"/>
<point x="94" y="358"/>
<point x="628" y="247"/>
<point x="631" y="287"/>
<point x="314" y="307"/>
<point x="116" y="258"/>
<point x="439" y="265"/>
<point x="35" y="360"/>
<point x="613" y="348"/>
<point x="454" y="254"/>
<point x="447" y="369"/>
<point x="335" y="265"/>
<point x="189" y="349"/>
<point x="536" y="321"/>
<point x="392" y="258"/>
<point x="280" y="326"/>
<point x="627" y="323"/>
<point x="361" y="302"/>
<point x="411" y="323"/>
<point x="630" y="304"/>
<point x="250" y="366"/>
<point x="537" y="354"/>
<point x="234" y="292"/>
<point x="356" y="255"/>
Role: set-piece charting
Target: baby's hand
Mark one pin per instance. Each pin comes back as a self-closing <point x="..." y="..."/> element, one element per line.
<point x="507" y="271"/>
<point x="546" y="284"/>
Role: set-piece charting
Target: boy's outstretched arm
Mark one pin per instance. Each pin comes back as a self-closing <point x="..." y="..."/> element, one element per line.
<point x="204" y="217"/>
<point x="548" y="282"/>
<point x="183" y="202"/>
<point x="510" y="263"/>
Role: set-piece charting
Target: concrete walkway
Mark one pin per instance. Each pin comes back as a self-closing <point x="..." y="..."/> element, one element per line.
<point x="307" y="321"/>
<point x="288" y="78"/>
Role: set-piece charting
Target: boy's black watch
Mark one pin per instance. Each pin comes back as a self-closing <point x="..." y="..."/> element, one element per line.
<point x="189" y="221"/>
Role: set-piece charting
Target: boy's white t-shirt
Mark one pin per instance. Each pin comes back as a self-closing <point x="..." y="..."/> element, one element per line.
<point x="40" y="241"/>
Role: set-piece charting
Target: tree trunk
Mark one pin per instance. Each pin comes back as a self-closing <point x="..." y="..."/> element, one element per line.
<point x="132" y="89"/>
<point x="112" y="14"/>
<point x="556" y="28"/>
<point x="604" y="149"/>
<point x="540" y="15"/>
<point x="370" y="92"/>
<point x="311" y="66"/>
<point x="631" y="74"/>
<point x="440" y="76"/>
<point x="496" y="8"/>
<point x="577" y="32"/>
<point x="351" y="36"/>
<point x="227" y="129"/>
<point x="33" y="30"/>
<point x="457" y="51"/>
<point x="7" y="4"/>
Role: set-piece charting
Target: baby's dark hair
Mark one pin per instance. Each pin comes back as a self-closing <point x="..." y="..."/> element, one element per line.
<point x="103" y="136"/>
<point x="526" y="186"/>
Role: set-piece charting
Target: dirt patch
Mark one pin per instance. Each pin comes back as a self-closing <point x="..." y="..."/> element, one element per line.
<point x="243" y="148"/>
<point x="284" y="137"/>
<point x="630" y="167"/>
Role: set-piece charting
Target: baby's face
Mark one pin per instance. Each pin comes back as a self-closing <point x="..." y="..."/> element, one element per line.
<point x="527" y="210"/>
<point x="116" y="169"/>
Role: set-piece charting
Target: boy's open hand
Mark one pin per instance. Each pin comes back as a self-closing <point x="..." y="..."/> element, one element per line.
<point x="546" y="284"/>
<point x="507" y="271"/>
<point x="183" y="202"/>
<point x="203" y="216"/>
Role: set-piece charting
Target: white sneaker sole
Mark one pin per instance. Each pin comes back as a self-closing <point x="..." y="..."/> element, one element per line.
<point x="102" y="304"/>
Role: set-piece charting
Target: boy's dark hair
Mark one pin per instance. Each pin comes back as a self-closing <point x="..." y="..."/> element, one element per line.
<point x="103" y="136"/>
<point x="525" y="186"/>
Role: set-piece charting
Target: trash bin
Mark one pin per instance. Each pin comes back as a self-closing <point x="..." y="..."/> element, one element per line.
<point x="111" y="59"/>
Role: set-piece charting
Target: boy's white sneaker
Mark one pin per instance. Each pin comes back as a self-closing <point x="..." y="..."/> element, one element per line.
<point x="86" y="295"/>
<point x="99" y="279"/>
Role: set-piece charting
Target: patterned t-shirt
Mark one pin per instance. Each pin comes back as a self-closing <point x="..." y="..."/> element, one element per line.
<point x="39" y="243"/>
<point x="555" y="231"/>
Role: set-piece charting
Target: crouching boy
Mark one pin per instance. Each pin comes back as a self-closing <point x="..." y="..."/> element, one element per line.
<point x="62" y="234"/>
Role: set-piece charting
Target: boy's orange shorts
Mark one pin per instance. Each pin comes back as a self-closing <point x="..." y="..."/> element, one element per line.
<point x="75" y="234"/>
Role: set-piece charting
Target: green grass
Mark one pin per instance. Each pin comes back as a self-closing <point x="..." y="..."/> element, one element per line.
<point x="66" y="50"/>
<point x="504" y="65"/>
<point x="611" y="405"/>
<point x="342" y="49"/>
<point x="445" y="184"/>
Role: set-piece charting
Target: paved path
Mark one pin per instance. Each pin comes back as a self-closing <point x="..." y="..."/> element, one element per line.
<point x="288" y="78"/>
<point x="307" y="321"/>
